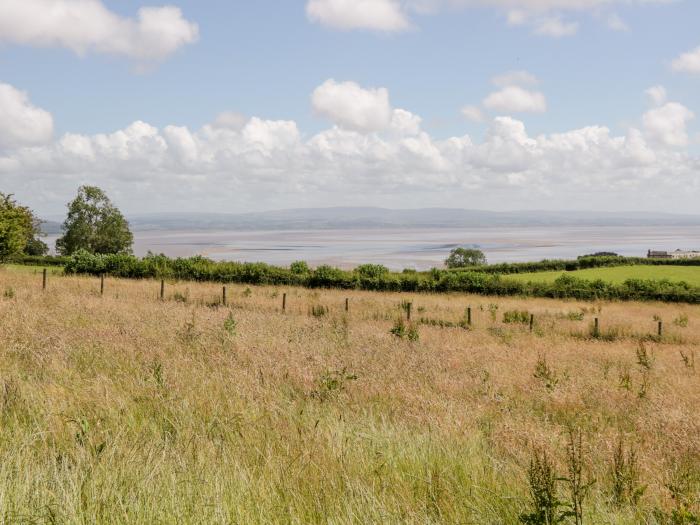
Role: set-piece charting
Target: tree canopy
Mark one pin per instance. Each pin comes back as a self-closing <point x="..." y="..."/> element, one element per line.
<point x="463" y="257"/>
<point x="19" y="229"/>
<point x="95" y="225"/>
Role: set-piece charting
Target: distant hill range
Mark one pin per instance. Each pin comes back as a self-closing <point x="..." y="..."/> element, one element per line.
<point x="51" y="227"/>
<point x="375" y="218"/>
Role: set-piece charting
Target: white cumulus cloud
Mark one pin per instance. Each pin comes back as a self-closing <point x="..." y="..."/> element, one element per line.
<point x="688" y="62"/>
<point x="85" y="26"/>
<point x="376" y="15"/>
<point x="350" y="106"/>
<point x="514" y="99"/>
<point x="667" y="124"/>
<point x="21" y="123"/>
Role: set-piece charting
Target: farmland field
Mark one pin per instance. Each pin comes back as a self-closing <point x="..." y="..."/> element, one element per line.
<point x="689" y="274"/>
<point x="123" y="408"/>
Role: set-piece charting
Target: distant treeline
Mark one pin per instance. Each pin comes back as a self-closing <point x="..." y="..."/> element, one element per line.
<point x="481" y="280"/>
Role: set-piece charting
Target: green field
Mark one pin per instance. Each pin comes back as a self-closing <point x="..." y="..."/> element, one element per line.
<point x="20" y="268"/>
<point x="689" y="274"/>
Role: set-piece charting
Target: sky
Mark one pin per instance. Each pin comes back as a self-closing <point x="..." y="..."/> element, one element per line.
<point x="237" y="106"/>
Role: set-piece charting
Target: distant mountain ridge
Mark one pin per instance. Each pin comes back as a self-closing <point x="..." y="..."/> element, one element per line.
<point x="370" y="218"/>
<point x="50" y="227"/>
<point x="344" y="218"/>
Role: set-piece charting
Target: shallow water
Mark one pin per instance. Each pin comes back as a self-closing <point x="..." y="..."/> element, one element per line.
<point x="413" y="248"/>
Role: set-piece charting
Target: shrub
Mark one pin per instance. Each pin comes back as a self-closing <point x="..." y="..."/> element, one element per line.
<point x="180" y="297"/>
<point x="318" y="311"/>
<point x="545" y="373"/>
<point x="327" y="277"/>
<point x="626" y="488"/>
<point x="575" y="316"/>
<point x="230" y="325"/>
<point x="371" y="271"/>
<point x="331" y="383"/>
<point x="516" y="316"/>
<point x="681" y="321"/>
<point x="546" y="506"/>
<point x="299" y="268"/>
<point x="399" y="328"/>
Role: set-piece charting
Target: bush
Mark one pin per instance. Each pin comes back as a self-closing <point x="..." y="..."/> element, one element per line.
<point x="372" y="271"/>
<point x="328" y="277"/>
<point x="516" y="316"/>
<point x="299" y="268"/>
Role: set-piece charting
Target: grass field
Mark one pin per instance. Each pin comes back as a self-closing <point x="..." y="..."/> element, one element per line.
<point x="126" y="409"/>
<point x="689" y="274"/>
<point x="35" y="270"/>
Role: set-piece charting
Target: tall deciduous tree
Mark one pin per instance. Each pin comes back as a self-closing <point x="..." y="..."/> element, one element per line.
<point x="20" y="230"/>
<point x="16" y="227"/>
<point x="94" y="224"/>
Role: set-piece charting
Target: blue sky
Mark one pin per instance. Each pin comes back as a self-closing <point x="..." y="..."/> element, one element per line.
<point x="561" y="71"/>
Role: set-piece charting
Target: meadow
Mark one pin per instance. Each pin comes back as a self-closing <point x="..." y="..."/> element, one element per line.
<point x="125" y="408"/>
<point x="619" y="274"/>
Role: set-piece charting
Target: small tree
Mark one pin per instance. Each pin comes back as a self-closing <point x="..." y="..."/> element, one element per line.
<point x="463" y="257"/>
<point x="35" y="246"/>
<point x="18" y="228"/>
<point x="94" y="224"/>
<point x="372" y="271"/>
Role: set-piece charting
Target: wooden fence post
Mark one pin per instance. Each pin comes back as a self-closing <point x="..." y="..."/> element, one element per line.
<point x="596" y="328"/>
<point x="162" y="289"/>
<point x="532" y="322"/>
<point x="469" y="316"/>
<point x="347" y="304"/>
<point x="223" y="296"/>
<point x="408" y="311"/>
<point x="661" y="328"/>
<point x="284" y="302"/>
<point x="43" y="280"/>
<point x="102" y="284"/>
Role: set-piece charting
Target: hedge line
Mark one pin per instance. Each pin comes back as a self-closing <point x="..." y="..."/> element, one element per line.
<point x="374" y="277"/>
<point x="582" y="263"/>
<point x="40" y="260"/>
<point x="547" y="265"/>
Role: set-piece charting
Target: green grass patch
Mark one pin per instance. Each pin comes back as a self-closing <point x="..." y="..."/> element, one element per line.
<point x="619" y="274"/>
<point x="20" y="268"/>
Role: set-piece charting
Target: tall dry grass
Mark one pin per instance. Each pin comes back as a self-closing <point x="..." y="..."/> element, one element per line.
<point x="128" y="409"/>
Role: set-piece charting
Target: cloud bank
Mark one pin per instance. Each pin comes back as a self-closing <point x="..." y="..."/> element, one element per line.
<point x="371" y="149"/>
